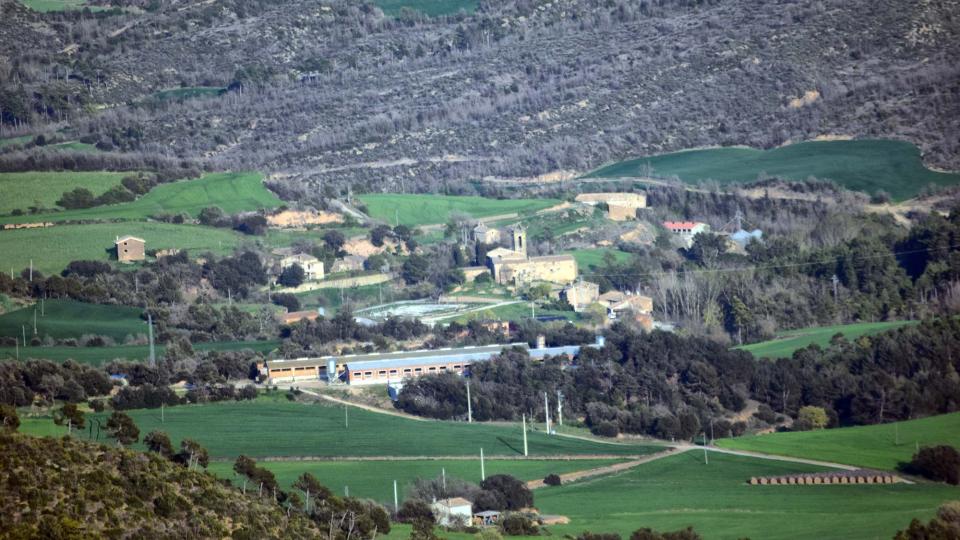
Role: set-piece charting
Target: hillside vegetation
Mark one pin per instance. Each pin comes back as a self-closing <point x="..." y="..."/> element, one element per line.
<point x="881" y="446"/>
<point x="895" y="167"/>
<point x="66" y="488"/>
<point x="98" y="356"/>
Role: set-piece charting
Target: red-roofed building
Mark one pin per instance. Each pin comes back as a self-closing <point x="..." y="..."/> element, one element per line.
<point x="686" y="230"/>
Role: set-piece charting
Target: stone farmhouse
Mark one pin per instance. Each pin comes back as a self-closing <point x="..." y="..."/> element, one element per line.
<point x="620" y="206"/>
<point x="485" y="235"/>
<point x="635" y="306"/>
<point x="312" y="267"/>
<point x="581" y="294"/>
<point x="130" y="248"/>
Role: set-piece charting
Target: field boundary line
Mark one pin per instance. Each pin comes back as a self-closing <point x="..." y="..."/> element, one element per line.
<point x="776" y="457"/>
<point x="469" y="457"/>
<point x="610" y="469"/>
<point x="369" y="408"/>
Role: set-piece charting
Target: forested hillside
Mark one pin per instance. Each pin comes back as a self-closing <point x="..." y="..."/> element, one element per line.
<point x="338" y="92"/>
<point x="66" y="488"/>
<point x="670" y="387"/>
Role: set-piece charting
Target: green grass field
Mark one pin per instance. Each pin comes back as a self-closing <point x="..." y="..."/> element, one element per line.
<point x="272" y="426"/>
<point x="427" y="209"/>
<point x="44" y="6"/>
<point x="432" y="8"/>
<point x="188" y="92"/>
<point x="97" y="356"/>
<point x="791" y="340"/>
<point x="68" y="318"/>
<point x="866" y="165"/>
<point x="374" y="479"/>
<point x="7" y="141"/>
<point x="874" y="447"/>
<point x="53" y="248"/>
<point x="232" y="192"/>
<point x="678" y="491"/>
<point x="25" y="189"/>
<point x="587" y="258"/>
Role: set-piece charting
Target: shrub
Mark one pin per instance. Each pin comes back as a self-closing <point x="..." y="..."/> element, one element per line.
<point x="518" y="525"/>
<point x="414" y="509"/>
<point x="289" y="301"/>
<point x="606" y="429"/>
<point x="939" y="463"/>
<point x="516" y="494"/>
<point x="292" y="276"/>
<point x="552" y="480"/>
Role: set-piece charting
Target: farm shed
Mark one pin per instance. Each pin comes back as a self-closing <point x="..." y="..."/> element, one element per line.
<point x="383" y="368"/>
<point x="455" y="511"/>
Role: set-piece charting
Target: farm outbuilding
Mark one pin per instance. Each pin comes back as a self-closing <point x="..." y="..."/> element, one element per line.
<point x="130" y="248"/>
<point x="389" y="367"/>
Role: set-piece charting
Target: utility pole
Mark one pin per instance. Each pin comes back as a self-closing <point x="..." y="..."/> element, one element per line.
<point x="34" y="321"/>
<point x="483" y="472"/>
<point x="31" y="270"/>
<point x="443" y="476"/>
<point x="559" y="408"/>
<point x="469" y="405"/>
<point x="396" y="500"/>
<point x="525" y="452"/>
<point x="706" y="460"/>
<point x="546" y="411"/>
<point x="346" y="416"/>
<point x="835" y="281"/>
<point x="23" y="330"/>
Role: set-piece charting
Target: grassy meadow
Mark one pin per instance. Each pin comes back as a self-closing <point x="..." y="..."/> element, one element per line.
<point x="680" y="490"/>
<point x="880" y="446"/>
<point x="413" y="210"/>
<point x="8" y="141"/>
<point x="232" y="192"/>
<point x="374" y="479"/>
<point x="71" y="319"/>
<point x="96" y="356"/>
<point x="431" y="8"/>
<point x="863" y="165"/>
<point x="594" y="257"/>
<point x="784" y="345"/>
<point x="43" y="188"/>
<point x="274" y="426"/>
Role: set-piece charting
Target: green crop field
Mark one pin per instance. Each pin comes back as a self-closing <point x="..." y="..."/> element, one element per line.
<point x="272" y="426"/>
<point x="232" y="192"/>
<point x="866" y="165"/>
<point x="68" y="318"/>
<point x="414" y="210"/>
<point x="42" y="189"/>
<point x="432" y="8"/>
<point x="52" y="248"/>
<point x="791" y="340"/>
<point x="880" y="447"/>
<point x="97" y="356"/>
<point x="587" y="258"/>
<point x="678" y="491"/>
<point x="374" y="479"/>
<point x="75" y="146"/>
